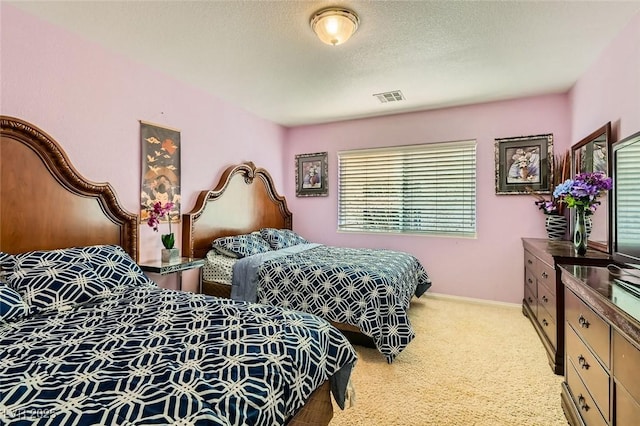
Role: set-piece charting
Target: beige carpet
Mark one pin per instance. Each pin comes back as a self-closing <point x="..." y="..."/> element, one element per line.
<point x="470" y="364"/>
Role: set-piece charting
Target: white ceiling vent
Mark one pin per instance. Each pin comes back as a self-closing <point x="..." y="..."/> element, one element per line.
<point x="393" y="96"/>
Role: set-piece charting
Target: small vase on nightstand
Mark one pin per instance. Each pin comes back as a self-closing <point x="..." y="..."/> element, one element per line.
<point x="170" y="255"/>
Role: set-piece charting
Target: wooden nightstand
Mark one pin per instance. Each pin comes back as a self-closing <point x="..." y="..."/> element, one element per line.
<point x="182" y="264"/>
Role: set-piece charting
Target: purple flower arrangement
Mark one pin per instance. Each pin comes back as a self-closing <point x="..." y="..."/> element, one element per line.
<point x="155" y="214"/>
<point x="583" y="190"/>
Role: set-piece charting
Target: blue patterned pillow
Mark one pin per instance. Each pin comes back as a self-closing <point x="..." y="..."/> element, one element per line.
<point x="7" y="264"/>
<point x="111" y="263"/>
<point x="57" y="286"/>
<point x="12" y="307"/>
<point x="241" y="245"/>
<point x="40" y="258"/>
<point x="115" y="267"/>
<point x="281" y="238"/>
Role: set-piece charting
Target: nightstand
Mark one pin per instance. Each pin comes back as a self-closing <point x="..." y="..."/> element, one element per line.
<point x="177" y="266"/>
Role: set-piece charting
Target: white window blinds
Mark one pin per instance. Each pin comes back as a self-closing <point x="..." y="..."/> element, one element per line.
<point x="421" y="189"/>
<point x="627" y="197"/>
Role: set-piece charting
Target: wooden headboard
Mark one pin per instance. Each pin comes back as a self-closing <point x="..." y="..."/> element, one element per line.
<point x="244" y="200"/>
<point x="44" y="202"/>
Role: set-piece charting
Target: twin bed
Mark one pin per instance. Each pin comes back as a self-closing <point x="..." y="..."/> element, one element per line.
<point x="87" y="338"/>
<point x="242" y="227"/>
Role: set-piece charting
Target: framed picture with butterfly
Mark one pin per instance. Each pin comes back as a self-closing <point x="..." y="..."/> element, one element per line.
<point x="160" y="170"/>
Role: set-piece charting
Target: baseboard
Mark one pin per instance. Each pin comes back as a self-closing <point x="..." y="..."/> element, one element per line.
<point x="472" y="300"/>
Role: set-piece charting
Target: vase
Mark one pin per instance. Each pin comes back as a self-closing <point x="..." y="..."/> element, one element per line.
<point x="556" y="226"/>
<point x="580" y="232"/>
<point x="170" y="255"/>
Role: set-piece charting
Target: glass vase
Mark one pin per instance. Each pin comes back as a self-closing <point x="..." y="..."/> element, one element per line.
<point x="170" y="255"/>
<point x="580" y="232"/>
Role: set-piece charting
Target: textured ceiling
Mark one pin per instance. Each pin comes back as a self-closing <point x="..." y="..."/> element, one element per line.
<point x="262" y="55"/>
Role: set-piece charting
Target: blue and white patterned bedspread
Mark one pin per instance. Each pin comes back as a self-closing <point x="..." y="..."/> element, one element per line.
<point x="154" y="356"/>
<point x="367" y="288"/>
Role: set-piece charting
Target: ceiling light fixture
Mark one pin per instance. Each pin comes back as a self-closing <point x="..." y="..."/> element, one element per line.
<point x="334" y="25"/>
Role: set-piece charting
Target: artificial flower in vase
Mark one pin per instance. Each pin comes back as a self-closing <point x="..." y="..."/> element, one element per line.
<point x="157" y="212"/>
<point x="555" y="221"/>
<point x="582" y="193"/>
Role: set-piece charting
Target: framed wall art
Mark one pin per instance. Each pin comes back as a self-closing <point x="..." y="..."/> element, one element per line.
<point x="523" y="164"/>
<point x="160" y="169"/>
<point x="311" y="175"/>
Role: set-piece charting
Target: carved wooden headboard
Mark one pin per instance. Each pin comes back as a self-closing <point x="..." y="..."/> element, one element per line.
<point x="44" y="202"/>
<point x="244" y="200"/>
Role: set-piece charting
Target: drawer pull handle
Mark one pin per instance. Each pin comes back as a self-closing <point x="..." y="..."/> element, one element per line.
<point x="530" y="280"/>
<point x="545" y="275"/>
<point x="583" y="403"/>
<point x="544" y="299"/>
<point x="583" y="322"/>
<point x="530" y="300"/>
<point x="529" y="262"/>
<point x="544" y="322"/>
<point x="583" y="362"/>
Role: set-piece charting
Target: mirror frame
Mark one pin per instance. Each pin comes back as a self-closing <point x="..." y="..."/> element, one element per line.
<point x="575" y="159"/>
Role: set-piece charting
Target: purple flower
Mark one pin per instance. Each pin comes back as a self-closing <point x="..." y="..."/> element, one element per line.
<point x="157" y="212"/>
<point x="583" y="190"/>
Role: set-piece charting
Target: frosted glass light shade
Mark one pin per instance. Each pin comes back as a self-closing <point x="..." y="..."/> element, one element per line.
<point x="334" y="26"/>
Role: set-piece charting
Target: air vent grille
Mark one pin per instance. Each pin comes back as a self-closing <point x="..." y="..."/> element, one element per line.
<point x="393" y="96"/>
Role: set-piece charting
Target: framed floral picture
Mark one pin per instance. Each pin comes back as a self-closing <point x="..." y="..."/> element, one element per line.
<point x="311" y="175"/>
<point x="524" y="164"/>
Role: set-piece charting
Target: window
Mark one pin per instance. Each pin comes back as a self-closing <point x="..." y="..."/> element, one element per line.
<point x="418" y="189"/>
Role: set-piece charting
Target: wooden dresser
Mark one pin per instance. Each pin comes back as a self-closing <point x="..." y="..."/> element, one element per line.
<point x="602" y="366"/>
<point x="543" y="299"/>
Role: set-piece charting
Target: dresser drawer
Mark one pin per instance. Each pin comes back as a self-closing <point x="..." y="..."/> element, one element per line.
<point x="547" y="299"/>
<point x="548" y="324"/>
<point x="546" y="275"/>
<point x="627" y="409"/>
<point x="531" y="300"/>
<point x="581" y="398"/>
<point x="589" y="326"/>
<point x="626" y="365"/>
<point x="530" y="261"/>
<point x="589" y="369"/>
<point x="530" y="281"/>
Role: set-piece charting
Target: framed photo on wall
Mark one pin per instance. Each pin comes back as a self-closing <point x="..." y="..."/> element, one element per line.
<point x="311" y="175"/>
<point x="160" y="169"/>
<point x="523" y="163"/>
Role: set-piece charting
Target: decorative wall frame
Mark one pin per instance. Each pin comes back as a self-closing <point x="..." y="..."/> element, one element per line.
<point x="160" y="169"/>
<point x="312" y="175"/>
<point x="524" y="163"/>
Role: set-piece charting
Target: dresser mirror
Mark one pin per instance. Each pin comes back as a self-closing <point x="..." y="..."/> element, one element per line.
<point x="593" y="154"/>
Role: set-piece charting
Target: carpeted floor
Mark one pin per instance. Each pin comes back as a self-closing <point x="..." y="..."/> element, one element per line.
<point x="470" y="364"/>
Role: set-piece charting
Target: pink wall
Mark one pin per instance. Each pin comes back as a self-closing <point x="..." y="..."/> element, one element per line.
<point x="488" y="267"/>
<point x="90" y="100"/>
<point x="610" y="89"/>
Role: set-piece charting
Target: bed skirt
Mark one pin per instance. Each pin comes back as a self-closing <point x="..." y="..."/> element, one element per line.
<point x="212" y="288"/>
